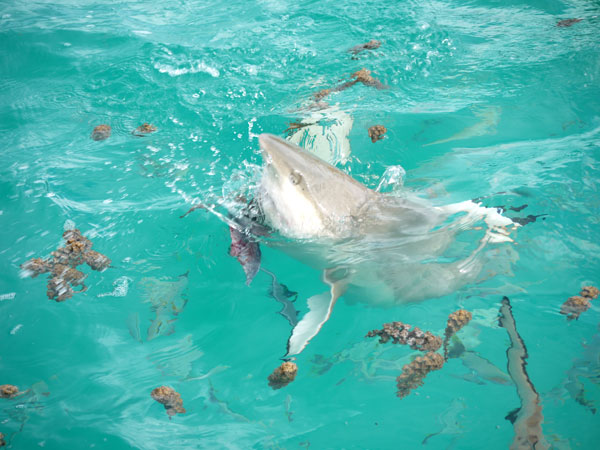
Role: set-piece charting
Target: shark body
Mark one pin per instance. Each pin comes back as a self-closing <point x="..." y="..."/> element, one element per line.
<point x="370" y="247"/>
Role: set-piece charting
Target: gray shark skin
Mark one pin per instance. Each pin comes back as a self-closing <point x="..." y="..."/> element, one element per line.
<point x="371" y="247"/>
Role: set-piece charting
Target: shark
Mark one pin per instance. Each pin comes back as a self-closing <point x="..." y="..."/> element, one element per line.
<point x="368" y="246"/>
<point x="488" y="121"/>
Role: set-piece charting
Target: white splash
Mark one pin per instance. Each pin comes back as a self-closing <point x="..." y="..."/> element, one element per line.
<point x="193" y="68"/>
<point x="393" y="178"/>
<point x="121" y="287"/>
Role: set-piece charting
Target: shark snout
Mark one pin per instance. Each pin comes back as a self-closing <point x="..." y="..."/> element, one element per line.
<point x="273" y="147"/>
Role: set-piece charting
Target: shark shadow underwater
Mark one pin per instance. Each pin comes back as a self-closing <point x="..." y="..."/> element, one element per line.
<point x="384" y="249"/>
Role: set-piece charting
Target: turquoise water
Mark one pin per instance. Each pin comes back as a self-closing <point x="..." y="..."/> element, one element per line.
<point x="513" y="97"/>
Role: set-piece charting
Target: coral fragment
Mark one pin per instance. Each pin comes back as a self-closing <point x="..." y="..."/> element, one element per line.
<point x="35" y="266"/>
<point x="283" y="375"/>
<point x="97" y="261"/>
<point x="169" y="398"/>
<point x="62" y="265"/>
<point x="413" y="374"/>
<point x="401" y="333"/>
<point x="456" y="321"/>
<point x="376" y="132"/>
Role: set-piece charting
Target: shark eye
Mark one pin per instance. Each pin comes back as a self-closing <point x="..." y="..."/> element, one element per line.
<point x="295" y="178"/>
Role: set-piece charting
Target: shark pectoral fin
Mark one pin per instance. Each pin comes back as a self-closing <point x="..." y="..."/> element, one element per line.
<point x="320" y="307"/>
<point x="512" y="416"/>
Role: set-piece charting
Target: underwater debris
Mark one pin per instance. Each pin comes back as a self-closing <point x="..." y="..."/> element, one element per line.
<point x="361" y="76"/>
<point x="590" y="292"/>
<point x="456" y="321"/>
<point x="371" y="45"/>
<point x="170" y="399"/>
<point x="144" y="129"/>
<point x="8" y="391"/>
<point x="413" y="374"/>
<point x="402" y="334"/>
<point x="376" y="132"/>
<point x="62" y="266"/>
<point x="101" y="132"/>
<point x="568" y="22"/>
<point x="574" y="306"/>
<point x="527" y="420"/>
<point x="283" y="375"/>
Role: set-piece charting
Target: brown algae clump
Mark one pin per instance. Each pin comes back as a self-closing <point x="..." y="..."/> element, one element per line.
<point x="413" y="374"/>
<point x="590" y="292"/>
<point x="574" y="306"/>
<point x="376" y="132"/>
<point x="361" y="76"/>
<point x="567" y="22"/>
<point x="400" y="333"/>
<point x="283" y="375"/>
<point x="8" y="391"/>
<point x="170" y="399"/>
<point x="371" y="45"/>
<point x="364" y="76"/>
<point x="144" y="129"/>
<point x="456" y="321"/>
<point x="62" y="266"/>
<point x="101" y="132"/>
<point x="58" y="289"/>
<point x="97" y="261"/>
<point x="36" y="266"/>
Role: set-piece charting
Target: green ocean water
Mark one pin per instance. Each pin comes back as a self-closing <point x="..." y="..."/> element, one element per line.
<point x="511" y="105"/>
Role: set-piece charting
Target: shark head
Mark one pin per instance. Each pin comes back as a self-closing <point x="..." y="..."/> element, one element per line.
<point x="303" y="196"/>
